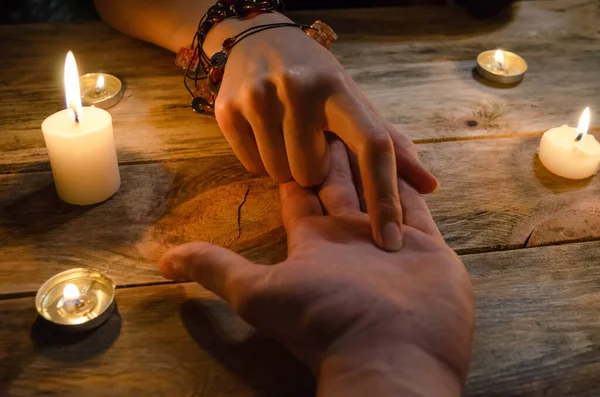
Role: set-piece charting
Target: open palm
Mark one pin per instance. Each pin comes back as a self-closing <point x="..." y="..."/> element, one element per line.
<point x="338" y="298"/>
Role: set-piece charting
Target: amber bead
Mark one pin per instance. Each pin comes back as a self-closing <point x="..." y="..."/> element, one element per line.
<point x="215" y="76"/>
<point x="322" y="33"/>
<point x="187" y="59"/>
<point x="228" y="44"/>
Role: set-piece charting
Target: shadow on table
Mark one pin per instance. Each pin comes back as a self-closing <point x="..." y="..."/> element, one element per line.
<point x="40" y="211"/>
<point x="32" y="210"/>
<point x="267" y="367"/>
<point x="73" y="346"/>
<point x="554" y="182"/>
<point x="479" y="78"/>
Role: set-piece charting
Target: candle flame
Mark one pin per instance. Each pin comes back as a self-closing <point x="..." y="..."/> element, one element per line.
<point x="499" y="57"/>
<point x="71" y="293"/>
<point x="72" y="91"/>
<point x="100" y="83"/>
<point x="584" y="122"/>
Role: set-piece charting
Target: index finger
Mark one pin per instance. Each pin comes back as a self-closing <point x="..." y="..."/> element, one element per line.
<point x="363" y="131"/>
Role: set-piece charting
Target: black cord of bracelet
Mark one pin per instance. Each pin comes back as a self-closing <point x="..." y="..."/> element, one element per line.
<point x="260" y="28"/>
<point x="199" y="52"/>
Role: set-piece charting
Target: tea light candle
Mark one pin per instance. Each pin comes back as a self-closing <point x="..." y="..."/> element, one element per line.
<point x="71" y="296"/>
<point x="503" y="67"/>
<point x="78" y="299"/>
<point x="100" y="89"/>
<point x="569" y="152"/>
<point x="81" y="147"/>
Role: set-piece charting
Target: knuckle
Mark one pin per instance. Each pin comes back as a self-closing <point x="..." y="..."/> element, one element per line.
<point x="224" y="106"/>
<point x="412" y="148"/>
<point x="225" y="113"/>
<point x="388" y="206"/>
<point x="198" y="250"/>
<point x="310" y="178"/>
<point x="252" y="295"/>
<point x="282" y="176"/>
<point x="253" y="167"/>
<point x="401" y="141"/>
<point x="378" y="141"/>
<point x="290" y="79"/>
<point x="336" y="77"/>
<point x="255" y="94"/>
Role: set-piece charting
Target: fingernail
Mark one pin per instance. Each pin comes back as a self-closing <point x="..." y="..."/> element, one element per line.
<point x="391" y="236"/>
<point x="437" y="189"/>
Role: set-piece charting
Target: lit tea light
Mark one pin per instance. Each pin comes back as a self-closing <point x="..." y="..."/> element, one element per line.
<point x="81" y="147"/>
<point x="499" y="66"/>
<point x="499" y="58"/>
<point x="101" y="90"/>
<point x="71" y="296"/>
<point x="78" y="299"/>
<point x="571" y="152"/>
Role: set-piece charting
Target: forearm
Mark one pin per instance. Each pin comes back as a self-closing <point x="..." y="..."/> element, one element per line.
<point x="171" y="24"/>
<point x="390" y="371"/>
<point x="167" y="23"/>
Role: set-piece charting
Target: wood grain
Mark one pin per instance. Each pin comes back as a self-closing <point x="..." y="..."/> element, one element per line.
<point x="494" y="195"/>
<point x="414" y="63"/>
<point x="537" y="333"/>
<point x="537" y="324"/>
<point x="174" y="340"/>
<point x="537" y="308"/>
<point x="158" y="206"/>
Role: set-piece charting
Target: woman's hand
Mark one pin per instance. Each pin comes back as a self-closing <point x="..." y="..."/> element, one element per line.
<point x="364" y="320"/>
<point x="281" y="91"/>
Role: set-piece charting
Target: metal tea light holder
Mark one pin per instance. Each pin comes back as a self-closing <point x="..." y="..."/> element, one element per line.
<point x="100" y="89"/>
<point x="501" y="67"/>
<point x="77" y="299"/>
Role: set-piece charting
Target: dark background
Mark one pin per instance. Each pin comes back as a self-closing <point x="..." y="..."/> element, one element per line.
<point x="32" y="11"/>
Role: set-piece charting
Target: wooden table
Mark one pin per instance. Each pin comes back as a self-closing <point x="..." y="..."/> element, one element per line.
<point x="528" y="238"/>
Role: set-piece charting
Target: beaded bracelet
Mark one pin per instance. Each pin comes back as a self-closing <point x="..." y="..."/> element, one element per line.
<point x="206" y="87"/>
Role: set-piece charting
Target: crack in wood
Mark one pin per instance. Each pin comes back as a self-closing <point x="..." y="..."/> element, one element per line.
<point x="526" y="243"/>
<point x="239" y="216"/>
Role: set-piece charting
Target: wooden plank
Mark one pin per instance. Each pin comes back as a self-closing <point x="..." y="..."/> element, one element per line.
<point x="537" y="329"/>
<point x="425" y="54"/>
<point x="159" y="205"/>
<point x="537" y="324"/>
<point x="176" y="340"/>
<point x="494" y="195"/>
<point x="152" y="122"/>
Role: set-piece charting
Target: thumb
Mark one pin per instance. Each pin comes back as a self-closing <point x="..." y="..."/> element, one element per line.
<point x="218" y="269"/>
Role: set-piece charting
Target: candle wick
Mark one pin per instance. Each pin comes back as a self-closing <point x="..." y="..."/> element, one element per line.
<point x="579" y="137"/>
<point x="76" y="117"/>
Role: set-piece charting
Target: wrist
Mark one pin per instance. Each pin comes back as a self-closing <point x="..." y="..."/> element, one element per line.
<point x="232" y="26"/>
<point x="387" y="369"/>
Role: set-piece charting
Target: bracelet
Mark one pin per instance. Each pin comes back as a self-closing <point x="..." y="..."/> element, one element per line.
<point x="206" y="87"/>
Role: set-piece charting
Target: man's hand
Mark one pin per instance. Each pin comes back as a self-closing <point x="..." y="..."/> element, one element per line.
<point x="366" y="321"/>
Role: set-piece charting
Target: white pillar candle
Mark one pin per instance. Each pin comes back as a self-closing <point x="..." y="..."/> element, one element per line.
<point x="81" y="147"/>
<point x="569" y="152"/>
